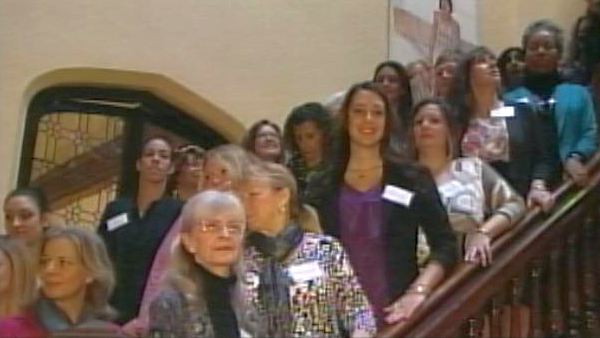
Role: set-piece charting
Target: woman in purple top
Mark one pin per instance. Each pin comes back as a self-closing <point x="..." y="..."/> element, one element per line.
<point x="374" y="204"/>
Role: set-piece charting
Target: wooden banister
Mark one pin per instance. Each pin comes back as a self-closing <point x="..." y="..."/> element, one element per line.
<point x="469" y="288"/>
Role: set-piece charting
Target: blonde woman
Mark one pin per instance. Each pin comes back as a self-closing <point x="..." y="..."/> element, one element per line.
<point x="200" y="298"/>
<point x="77" y="280"/>
<point x="224" y="165"/>
<point x="300" y="283"/>
<point x="17" y="290"/>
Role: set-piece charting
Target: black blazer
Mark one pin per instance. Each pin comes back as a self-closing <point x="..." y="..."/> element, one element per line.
<point x="533" y="150"/>
<point x="400" y="223"/>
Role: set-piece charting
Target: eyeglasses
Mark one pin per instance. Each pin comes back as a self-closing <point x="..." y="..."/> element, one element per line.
<point x="216" y="227"/>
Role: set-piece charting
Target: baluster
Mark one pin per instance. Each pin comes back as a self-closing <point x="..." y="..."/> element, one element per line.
<point x="556" y="315"/>
<point x="537" y="328"/>
<point x="590" y="304"/>
<point x="573" y="302"/>
<point x="495" y="318"/>
<point x="474" y="327"/>
<point x="520" y="314"/>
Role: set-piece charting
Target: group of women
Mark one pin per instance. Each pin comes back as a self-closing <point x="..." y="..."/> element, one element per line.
<point x="342" y="225"/>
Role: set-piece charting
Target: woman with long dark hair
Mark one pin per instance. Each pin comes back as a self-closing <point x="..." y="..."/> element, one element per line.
<point x="374" y="203"/>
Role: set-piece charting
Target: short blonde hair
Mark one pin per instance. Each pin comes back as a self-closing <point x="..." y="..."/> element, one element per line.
<point x="280" y="177"/>
<point x="22" y="283"/>
<point x="96" y="261"/>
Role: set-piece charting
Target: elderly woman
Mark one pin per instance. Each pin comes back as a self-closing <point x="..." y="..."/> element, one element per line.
<point x="574" y="131"/>
<point x="17" y="290"/>
<point x="202" y="299"/>
<point x="77" y="280"/>
<point x="301" y="284"/>
<point x="480" y="203"/>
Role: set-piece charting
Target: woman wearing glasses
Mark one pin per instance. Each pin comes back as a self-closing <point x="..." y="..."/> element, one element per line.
<point x="201" y="298"/>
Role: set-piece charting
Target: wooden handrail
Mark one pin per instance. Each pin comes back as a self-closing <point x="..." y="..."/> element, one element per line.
<point x="438" y="312"/>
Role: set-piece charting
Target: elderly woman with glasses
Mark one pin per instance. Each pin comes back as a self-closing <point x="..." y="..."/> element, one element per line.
<point x="201" y="298"/>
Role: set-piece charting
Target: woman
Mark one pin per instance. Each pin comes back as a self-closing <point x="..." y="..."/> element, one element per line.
<point x="445" y="72"/>
<point x="395" y="84"/>
<point x="446" y="30"/>
<point x="512" y="67"/>
<point x="25" y="217"/>
<point x="17" y="291"/>
<point x="202" y="298"/>
<point x="508" y="137"/>
<point x="570" y="106"/>
<point x="187" y="177"/>
<point x="307" y="135"/>
<point x="481" y="205"/>
<point x="301" y="284"/>
<point x="133" y="228"/>
<point x="77" y="280"/>
<point x="224" y="165"/>
<point x="374" y="203"/>
<point x="265" y="141"/>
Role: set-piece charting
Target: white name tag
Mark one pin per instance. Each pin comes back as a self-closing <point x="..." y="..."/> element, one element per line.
<point x="397" y="195"/>
<point x="450" y="189"/>
<point x="305" y="272"/>
<point x="503" y="112"/>
<point x="117" y="222"/>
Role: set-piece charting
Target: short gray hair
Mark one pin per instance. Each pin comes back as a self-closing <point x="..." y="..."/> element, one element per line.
<point x="548" y="26"/>
<point x="208" y="202"/>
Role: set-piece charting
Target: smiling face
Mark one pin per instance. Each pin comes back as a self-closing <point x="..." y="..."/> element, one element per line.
<point x="267" y="143"/>
<point x="444" y="77"/>
<point x="216" y="175"/>
<point x="63" y="275"/>
<point x="431" y="131"/>
<point x="515" y="67"/>
<point x="541" y="52"/>
<point x="484" y="72"/>
<point x="366" y="119"/>
<point x="23" y="218"/>
<point x="216" y="240"/>
<point x="154" y="164"/>
<point x="190" y="172"/>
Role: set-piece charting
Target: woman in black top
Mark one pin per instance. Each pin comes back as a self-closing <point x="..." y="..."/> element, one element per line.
<point x="133" y="228"/>
<point x="395" y="198"/>
<point x="507" y="135"/>
<point x="201" y="298"/>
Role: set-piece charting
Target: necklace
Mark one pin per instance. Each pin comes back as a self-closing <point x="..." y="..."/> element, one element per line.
<point x="362" y="173"/>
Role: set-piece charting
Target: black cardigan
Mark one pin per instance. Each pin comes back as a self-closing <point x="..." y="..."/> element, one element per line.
<point x="400" y="223"/>
<point x="533" y="150"/>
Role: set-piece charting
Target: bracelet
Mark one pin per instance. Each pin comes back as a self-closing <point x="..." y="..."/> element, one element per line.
<point x="483" y="232"/>
<point x="420" y="289"/>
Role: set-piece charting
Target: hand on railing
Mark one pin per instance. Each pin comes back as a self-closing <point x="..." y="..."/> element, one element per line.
<point x="541" y="197"/>
<point x="404" y="307"/>
<point x="478" y="248"/>
<point x="576" y="170"/>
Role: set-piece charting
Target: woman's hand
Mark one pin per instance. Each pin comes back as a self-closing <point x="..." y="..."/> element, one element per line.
<point x="577" y="171"/>
<point x="478" y="248"/>
<point x="541" y="197"/>
<point x="404" y="307"/>
<point x="134" y="328"/>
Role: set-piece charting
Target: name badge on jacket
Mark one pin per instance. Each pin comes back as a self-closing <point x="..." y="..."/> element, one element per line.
<point x="398" y="195"/>
<point x="117" y="221"/>
<point x="506" y="111"/>
<point x="305" y="272"/>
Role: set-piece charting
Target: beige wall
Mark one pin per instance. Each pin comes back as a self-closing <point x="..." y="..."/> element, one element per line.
<point x="502" y="22"/>
<point x="249" y="59"/>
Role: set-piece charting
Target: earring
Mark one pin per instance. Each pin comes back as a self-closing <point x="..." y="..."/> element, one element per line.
<point x="282" y="208"/>
<point x="89" y="280"/>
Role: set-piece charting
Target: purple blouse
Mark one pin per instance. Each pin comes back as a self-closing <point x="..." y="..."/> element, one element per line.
<point x="361" y="227"/>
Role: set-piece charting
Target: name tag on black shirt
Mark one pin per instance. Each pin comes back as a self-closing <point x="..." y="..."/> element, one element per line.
<point x="117" y="221"/>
